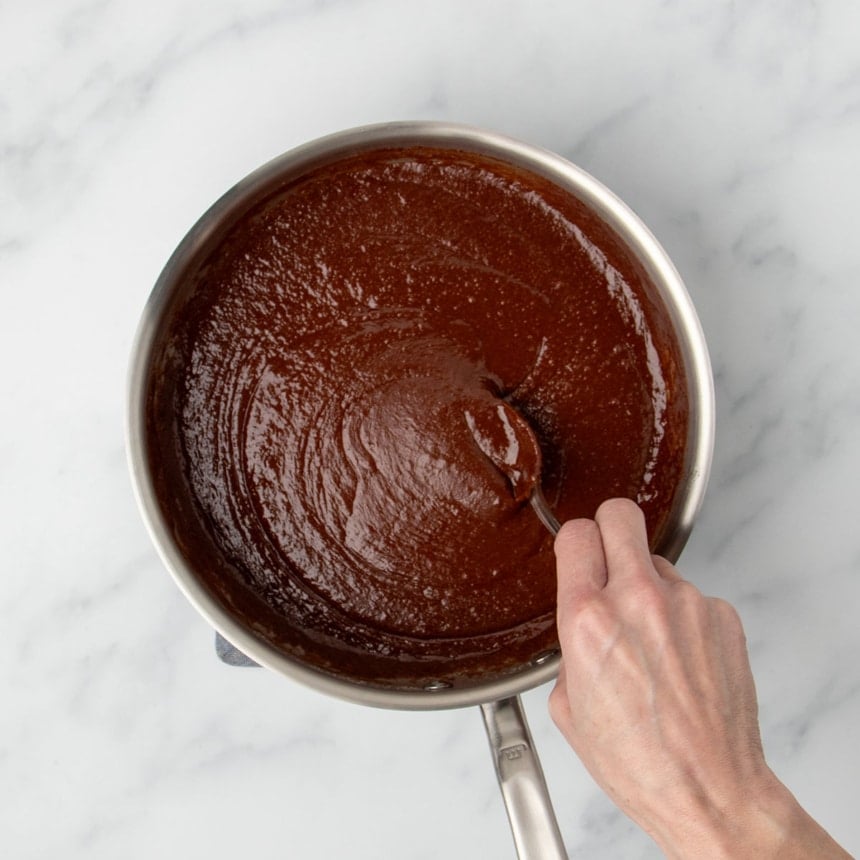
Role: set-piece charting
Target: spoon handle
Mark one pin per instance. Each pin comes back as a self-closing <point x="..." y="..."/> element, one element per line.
<point x="542" y="509"/>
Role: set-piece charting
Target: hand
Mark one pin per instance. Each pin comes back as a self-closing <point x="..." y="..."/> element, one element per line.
<point x="656" y="696"/>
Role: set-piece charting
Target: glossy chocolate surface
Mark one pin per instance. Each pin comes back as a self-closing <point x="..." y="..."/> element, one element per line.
<point x="336" y="411"/>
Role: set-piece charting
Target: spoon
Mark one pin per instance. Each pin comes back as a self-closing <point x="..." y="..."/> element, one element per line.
<point x="543" y="511"/>
<point x="509" y="442"/>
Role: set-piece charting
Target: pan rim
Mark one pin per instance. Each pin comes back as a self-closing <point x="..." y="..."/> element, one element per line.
<point x="245" y="193"/>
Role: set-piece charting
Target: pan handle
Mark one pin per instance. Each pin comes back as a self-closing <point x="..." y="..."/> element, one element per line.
<point x="521" y="780"/>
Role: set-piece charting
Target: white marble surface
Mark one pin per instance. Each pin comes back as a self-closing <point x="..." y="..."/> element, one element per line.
<point x="732" y="128"/>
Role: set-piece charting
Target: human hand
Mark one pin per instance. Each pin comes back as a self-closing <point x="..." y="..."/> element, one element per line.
<point x="656" y="696"/>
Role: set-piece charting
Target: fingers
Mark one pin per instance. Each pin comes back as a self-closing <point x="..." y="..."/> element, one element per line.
<point x="580" y="563"/>
<point x="625" y="541"/>
<point x="610" y="550"/>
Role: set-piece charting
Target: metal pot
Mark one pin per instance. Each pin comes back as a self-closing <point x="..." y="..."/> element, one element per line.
<point x="532" y="820"/>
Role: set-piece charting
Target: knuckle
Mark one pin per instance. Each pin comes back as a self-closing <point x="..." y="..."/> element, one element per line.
<point x="591" y="622"/>
<point x="645" y="594"/>
<point x="686" y="592"/>
<point x="689" y="601"/>
<point x="665" y="569"/>
<point x="726" y="612"/>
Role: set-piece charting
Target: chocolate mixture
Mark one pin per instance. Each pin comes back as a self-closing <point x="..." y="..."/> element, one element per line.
<point x="337" y="411"/>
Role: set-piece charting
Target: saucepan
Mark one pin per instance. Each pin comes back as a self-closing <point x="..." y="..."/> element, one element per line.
<point x="523" y="787"/>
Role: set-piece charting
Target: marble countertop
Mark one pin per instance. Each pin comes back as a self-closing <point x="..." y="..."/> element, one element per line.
<point x="733" y="129"/>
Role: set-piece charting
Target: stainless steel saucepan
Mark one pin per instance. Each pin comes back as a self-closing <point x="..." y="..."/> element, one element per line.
<point x="520" y="777"/>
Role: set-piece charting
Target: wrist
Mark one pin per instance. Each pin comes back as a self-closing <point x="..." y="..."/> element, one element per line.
<point x="762" y="822"/>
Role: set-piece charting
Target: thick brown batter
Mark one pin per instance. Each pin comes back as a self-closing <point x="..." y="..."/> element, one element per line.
<point x="326" y="395"/>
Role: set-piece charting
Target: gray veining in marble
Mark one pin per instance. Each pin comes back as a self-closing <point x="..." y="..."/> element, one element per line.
<point x="733" y="129"/>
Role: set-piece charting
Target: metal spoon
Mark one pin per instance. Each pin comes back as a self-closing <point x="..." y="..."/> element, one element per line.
<point x="543" y="511"/>
<point x="507" y="439"/>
